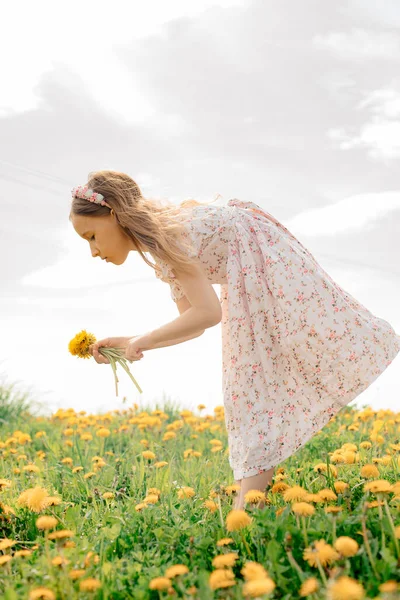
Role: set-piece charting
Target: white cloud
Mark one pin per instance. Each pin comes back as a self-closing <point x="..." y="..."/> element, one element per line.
<point x="381" y="135"/>
<point x="380" y="138"/>
<point x="86" y="43"/>
<point x="360" y="44"/>
<point x="355" y="213"/>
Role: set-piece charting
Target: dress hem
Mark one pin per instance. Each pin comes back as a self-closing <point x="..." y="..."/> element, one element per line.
<point x="324" y="419"/>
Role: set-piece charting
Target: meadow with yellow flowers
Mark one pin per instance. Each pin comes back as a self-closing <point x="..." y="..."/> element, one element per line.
<point x="138" y="504"/>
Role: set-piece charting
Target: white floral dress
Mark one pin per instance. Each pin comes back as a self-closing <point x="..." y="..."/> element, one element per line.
<point x="296" y="347"/>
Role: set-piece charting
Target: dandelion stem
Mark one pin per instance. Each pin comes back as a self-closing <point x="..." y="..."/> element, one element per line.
<point x="381" y="520"/>
<point x="245" y="542"/>
<point x="220" y="511"/>
<point x="396" y="543"/>
<point x="125" y="366"/>
<point x="321" y="571"/>
<point x="366" y="542"/>
<point x="294" y="564"/>
<point x="303" y="522"/>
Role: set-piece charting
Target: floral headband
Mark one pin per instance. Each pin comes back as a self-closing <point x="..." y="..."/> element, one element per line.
<point x="82" y="191"/>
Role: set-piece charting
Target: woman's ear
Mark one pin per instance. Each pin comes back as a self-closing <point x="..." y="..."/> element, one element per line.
<point x="112" y="212"/>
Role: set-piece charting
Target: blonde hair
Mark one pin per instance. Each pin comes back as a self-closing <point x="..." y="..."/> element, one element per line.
<point x="153" y="223"/>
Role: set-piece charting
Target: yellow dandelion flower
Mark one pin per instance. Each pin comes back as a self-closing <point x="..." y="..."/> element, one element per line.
<point x="369" y="472"/>
<point x="309" y="586"/>
<point x="91" y="557"/>
<point x="327" y="494"/>
<point x="160" y="464"/>
<point x="396" y="486"/>
<point x="6" y="543"/>
<point x="389" y="587"/>
<point x="34" y="499"/>
<point x="5" y="558"/>
<point x="397" y="531"/>
<point x="79" y="345"/>
<point x="175" y="570"/>
<point x="46" y="522"/>
<point x="378" y="486"/>
<point x="160" y="583"/>
<point x="333" y="509"/>
<point x="31" y="468"/>
<point x="237" y="519"/>
<point x="232" y="489"/>
<point x="140" y="506"/>
<point x="323" y="467"/>
<point x="42" y="593"/>
<point x="303" y="509"/>
<point x="225" y="541"/>
<point x="58" y="561"/>
<point x="76" y="573"/>
<point x="312" y="498"/>
<point x="5" y="483"/>
<point x="103" y="432"/>
<point x="221" y="578"/>
<point x="6" y="509"/>
<point x="279" y="487"/>
<point x="322" y="552"/>
<point x="53" y="501"/>
<point x="349" y="446"/>
<point x="346" y="546"/>
<point x="340" y="486"/>
<point x="225" y="560"/>
<point x="186" y="492"/>
<point x="107" y="495"/>
<point x="258" y="587"/>
<point x="211" y="505"/>
<point x="294" y="493"/>
<point x="345" y="588"/>
<point x="351" y="457"/>
<point x="22" y="553"/>
<point x="148" y="454"/>
<point x="254" y="497"/>
<point x="89" y="585"/>
<point x="366" y="445"/>
<point x="61" y="534"/>
<point x="253" y="570"/>
<point x="151" y="498"/>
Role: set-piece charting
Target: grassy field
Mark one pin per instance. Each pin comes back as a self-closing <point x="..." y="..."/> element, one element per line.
<point x="138" y="504"/>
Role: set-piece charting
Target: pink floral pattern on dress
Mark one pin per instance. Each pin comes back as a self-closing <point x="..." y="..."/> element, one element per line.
<point x="296" y="347"/>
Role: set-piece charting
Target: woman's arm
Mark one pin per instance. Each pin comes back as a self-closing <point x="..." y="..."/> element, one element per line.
<point x="178" y="340"/>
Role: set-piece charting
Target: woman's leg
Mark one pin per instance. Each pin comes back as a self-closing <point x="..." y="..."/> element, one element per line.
<point x="256" y="482"/>
<point x="238" y="495"/>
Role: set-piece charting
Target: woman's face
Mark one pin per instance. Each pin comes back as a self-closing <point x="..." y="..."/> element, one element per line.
<point x="106" y="238"/>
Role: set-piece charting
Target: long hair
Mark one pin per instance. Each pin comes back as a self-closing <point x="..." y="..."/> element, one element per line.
<point x="150" y="223"/>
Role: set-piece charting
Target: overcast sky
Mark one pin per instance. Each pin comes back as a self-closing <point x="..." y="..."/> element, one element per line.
<point x="294" y="106"/>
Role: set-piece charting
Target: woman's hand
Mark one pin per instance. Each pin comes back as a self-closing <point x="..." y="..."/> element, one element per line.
<point x="136" y="345"/>
<point x="112" y="342"/>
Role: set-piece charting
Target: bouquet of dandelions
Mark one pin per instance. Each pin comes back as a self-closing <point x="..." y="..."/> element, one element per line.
<point x="79" y="346"/>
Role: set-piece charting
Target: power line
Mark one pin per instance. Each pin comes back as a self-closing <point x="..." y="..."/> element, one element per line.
<point x="57" y="179"/>
<point x="34" y="172"/>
